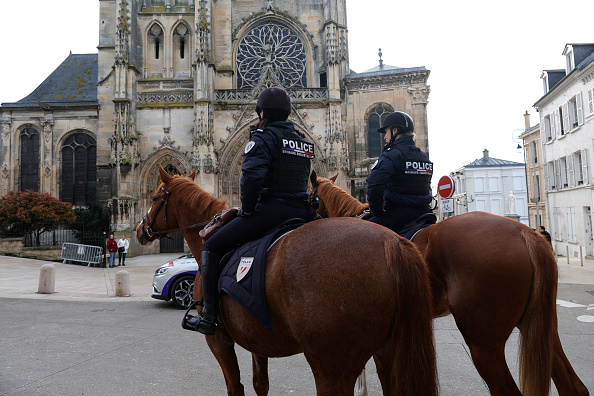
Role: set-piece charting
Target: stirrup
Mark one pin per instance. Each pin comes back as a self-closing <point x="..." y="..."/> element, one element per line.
<point x="198" y="322"/>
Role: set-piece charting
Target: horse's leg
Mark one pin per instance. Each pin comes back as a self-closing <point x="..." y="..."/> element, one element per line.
<point x="223" y="348"/>
<point x="260" y="374"/>
<point x="565" y="378"/>
<point x="333" y="379"/>
<point x="489" y="359"/>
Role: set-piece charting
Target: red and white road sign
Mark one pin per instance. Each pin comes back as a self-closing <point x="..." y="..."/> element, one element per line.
<point x="445" y="187"/>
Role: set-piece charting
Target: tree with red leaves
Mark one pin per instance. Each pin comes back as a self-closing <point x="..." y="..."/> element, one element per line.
<point x="33" y="212"/>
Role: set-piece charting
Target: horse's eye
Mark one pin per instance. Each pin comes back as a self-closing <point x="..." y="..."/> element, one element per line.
<point x="154" y="199"/>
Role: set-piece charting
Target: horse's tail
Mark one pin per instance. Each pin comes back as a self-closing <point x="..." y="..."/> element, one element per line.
<point x="538" y="326"/>
<point x="414" y="345"/>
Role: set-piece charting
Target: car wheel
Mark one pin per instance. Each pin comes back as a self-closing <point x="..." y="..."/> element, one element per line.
<point x="181" y="292"/>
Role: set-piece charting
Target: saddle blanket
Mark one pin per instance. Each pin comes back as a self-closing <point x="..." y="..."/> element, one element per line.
<point x="243" y="275"/>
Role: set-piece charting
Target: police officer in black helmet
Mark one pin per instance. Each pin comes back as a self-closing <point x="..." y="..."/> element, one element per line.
<point x="275" y="172"/>
<point x="399" y="185"/>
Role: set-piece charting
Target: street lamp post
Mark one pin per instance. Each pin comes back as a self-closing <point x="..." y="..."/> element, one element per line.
<point x="104" y="248"/>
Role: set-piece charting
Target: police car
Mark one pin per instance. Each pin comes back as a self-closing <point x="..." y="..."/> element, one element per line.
<point x="175" y="281"/>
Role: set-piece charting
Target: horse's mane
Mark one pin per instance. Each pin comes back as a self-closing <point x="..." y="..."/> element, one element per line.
<point x="337" y="201"/>
<point x="204" y="202"/>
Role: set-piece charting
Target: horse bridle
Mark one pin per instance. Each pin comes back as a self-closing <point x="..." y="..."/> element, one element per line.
<point x="315" y="200"/>
<point x="149" y="232"/>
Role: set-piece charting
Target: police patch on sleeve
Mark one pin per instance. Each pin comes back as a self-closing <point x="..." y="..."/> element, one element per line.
<point x="249" y="146"/>
<point x="300" y="148"/>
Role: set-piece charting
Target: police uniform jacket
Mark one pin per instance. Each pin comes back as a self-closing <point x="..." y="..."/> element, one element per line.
<point x="267" y="176"/>
<point x="401" y="177"/>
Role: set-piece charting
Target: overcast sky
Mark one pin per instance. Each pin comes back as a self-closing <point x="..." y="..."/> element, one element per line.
<point x="485" y="61"/>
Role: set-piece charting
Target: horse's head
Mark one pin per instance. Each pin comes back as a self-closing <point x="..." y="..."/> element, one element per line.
<point x="158" y="221"/>
<point x="334" y="201"/>
<point x="318" y="184"/>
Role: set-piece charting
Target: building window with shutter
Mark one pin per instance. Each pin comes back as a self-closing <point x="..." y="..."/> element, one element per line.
<point x="29" y="172"/>
<point x="79" y="169"/>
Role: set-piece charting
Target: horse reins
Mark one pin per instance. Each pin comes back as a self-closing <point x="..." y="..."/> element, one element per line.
<point x="149" y="232"/>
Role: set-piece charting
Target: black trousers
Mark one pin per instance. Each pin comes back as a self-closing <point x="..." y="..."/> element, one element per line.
<point x="267" y="215"/>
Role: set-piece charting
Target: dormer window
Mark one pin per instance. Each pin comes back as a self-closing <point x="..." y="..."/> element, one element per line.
<point x="569" y="61"/>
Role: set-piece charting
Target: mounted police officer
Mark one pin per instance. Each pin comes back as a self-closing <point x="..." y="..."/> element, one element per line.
<point x="274" y="183"/>
<point x="398" y="187"/>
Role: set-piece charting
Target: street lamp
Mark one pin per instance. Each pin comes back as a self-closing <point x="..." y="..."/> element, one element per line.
<point x="104" y="247"/>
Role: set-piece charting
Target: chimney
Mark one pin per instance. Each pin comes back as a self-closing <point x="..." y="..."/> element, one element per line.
<point x="486" y="154"/>
<point x="526" y="120"/>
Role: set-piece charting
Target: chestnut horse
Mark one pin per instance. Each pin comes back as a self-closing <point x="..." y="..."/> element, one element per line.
<point x="492" y="274"/>
<point x="339" y="290"/>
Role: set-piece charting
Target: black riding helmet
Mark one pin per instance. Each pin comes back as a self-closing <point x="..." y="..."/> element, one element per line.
<point x="275" y="101"/>
<point x="400" y="120"/>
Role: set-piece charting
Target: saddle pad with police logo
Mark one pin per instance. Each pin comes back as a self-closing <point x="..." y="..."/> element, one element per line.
<point x="243" y="276"/>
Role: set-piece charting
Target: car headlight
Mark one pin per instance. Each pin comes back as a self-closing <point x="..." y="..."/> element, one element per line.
<point x="161" y="271"/>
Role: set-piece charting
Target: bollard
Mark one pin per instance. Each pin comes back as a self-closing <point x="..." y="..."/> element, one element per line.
<point x="567" y="254"/>
<point x="122" y="286"/>
<point x="581" y="256"/>
<point x="47" y="279"/>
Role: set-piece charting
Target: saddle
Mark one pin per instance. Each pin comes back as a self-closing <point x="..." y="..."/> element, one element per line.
<point x="219" y="220"/>
<point x="410" y="229"/>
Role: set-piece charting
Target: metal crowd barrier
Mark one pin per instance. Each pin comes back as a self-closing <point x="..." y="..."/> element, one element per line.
<point x="83" y="253"/>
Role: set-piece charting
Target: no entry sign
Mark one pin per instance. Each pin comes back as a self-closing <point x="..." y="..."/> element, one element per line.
<point x="445" y="187"/>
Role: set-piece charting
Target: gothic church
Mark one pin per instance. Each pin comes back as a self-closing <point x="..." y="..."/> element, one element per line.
<point x="174" y="83"/>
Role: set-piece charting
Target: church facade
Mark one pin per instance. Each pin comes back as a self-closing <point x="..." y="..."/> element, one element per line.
<point x="175" y="82"/>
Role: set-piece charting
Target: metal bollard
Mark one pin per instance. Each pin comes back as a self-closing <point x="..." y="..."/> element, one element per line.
<point x="122" y="286"/>
<point x="47" y="279"/>
<point x="581" y="256"/>
<point x="567" y="254"/>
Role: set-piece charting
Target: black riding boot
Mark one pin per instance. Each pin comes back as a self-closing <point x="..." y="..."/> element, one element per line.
<point x="205" y="321"/>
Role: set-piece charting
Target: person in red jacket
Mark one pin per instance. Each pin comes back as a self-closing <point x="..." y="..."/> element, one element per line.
<point x="112" y="248"/>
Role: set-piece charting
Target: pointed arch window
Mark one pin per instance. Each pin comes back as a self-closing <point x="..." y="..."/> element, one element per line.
<point x="181" y="44"/>
<point x="375" y="140"/>
<point x="275" y="44"/>
<point x="155" y="51"/>
<point x="79" y="169"/>
<point x="29" y="175"/>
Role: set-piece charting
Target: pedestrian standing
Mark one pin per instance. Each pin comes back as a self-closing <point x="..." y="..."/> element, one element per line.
<point x="112" y="248"/>
<point x="123" y="245"/>
<point x="545" y="234"/>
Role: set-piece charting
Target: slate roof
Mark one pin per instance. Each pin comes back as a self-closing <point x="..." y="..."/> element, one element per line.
<point x="73" y="83"/>
<point x="492" y="162"/>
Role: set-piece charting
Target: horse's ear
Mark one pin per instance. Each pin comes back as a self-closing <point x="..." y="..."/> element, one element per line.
<point x="333" y="178"/>
<point x="165" y="177"/>
<point x="313" y="178"/>
<point x="192" y="175"/>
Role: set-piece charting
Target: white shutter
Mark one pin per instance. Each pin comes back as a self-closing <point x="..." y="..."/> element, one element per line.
<point x="591" y="100"/>
<point x="566" y="121"/>
<point x="578" y="105"/>
<point x="547" y="170"/>
<point x="569" y="164"/>
<point x="543" y="129"/>
<point x="558" y="181"/>
<point x="585" y="167"/>
<point x="557" y="124"/>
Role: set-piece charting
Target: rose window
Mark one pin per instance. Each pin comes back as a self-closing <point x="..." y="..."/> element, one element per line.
<point x="271" y="44"/>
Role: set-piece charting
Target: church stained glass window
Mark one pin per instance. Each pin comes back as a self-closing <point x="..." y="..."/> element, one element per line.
<point x="375" y="140"/>
<point x="277" y="45"/>
<point x="29" y="159"/>
<point x="79" y="169"/>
